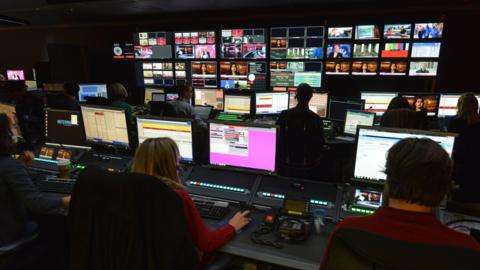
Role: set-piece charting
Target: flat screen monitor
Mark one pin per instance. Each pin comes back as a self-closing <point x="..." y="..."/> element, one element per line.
<point x="92" y="90"/>
<point x="340" y="32"/>
<point x="243" y="44"/>
<point x="355" y="119"/>
<point x="338" y="107"/>
<point x="10" y="111"/>
<point x="297" y="42"/>
<point x="377" y="102"/>
<point x="153" y="45"/>
<point x="448" y="104"/>
<point x="150" y="91"/>
<point x="365" y="68"/>
<point x="426" y="50"/>
<point x="368" y="198"/>
<point x="397" y="31"/>
<point x="123" y="50"/>
<point x="339" y="51"/>
<point x="237" y="104"/>
<point x="428" y="30"/>
<point x="32" y="85"/>
<point x="367" y="32"/>
<point x="423" y="102"/>
<point x="204" y="74"/>
<point x="374" y="142"/>
<point x="155" y="74"/>
<point x="366" y="50"/>
<point x="195" y="45"/>
<point x="64" y="128"/>
<point x="337" y="68"/>
<point x="209" y="97"/>
<point x="178" y="130"/>
<point x="243" y="75"/>
<point x="105" y="125"/>
<point x="395" y="50"/>
<point x="243" y="146"/>
<point x="393" y="68"/>
<point x="288" y="75"/>
<point x="15" y="75"/>
<point x="423" y="68"/>
<point x="318" y="104"/>
<point x="159" y="97"/>
<point x="271" y="103"/>
<point x="171" y="96"/>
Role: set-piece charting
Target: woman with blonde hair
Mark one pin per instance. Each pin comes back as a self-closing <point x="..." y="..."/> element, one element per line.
<point x="160" y="157"/>
<point x="467" y="113"/>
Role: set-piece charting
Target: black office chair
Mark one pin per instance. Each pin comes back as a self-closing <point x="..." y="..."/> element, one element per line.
<point x="127" y="221"/>
<point x="162" y="108"/>
<point x="362" y="250"/>
<point x="17" y="255"/>
<point x="99" y="101"/>
<point x="31" y="116"/>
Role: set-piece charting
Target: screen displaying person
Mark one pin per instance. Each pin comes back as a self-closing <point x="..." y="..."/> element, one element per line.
<point x="419" y="104"/>
<point x="233" y="69"/>
<point x="336" y="53"/>
<point x="204" y="70"/>
<point x="423" y="69"/>
<point x="205" y="55"/>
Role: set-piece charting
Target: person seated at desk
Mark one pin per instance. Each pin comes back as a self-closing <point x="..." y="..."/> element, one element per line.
<point x="418" y="178"/>
<point x="182" y="106"/>
<point x="118" y="94"/>
<point x="467" y="113"/>
<point x="160" y="158"/>
<point x="67" y="100"/>
<point x="17" y="192"/>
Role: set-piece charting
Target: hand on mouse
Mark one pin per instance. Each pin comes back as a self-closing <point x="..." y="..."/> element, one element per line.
<point x="240" y="220"/>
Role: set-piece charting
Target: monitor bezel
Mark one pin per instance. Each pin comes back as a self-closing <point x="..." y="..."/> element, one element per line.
<point x="403" y="94"/>
<point x="247" y="93"/>
<point x="209" y="89"/>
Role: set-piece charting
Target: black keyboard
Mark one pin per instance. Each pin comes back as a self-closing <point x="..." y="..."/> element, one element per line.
<point x="44" y="166"/>
<point x="212" y="209"/>
<point x="57" y="185"/>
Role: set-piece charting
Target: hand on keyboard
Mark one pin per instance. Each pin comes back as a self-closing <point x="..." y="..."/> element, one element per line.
<point x="240" y="220"/>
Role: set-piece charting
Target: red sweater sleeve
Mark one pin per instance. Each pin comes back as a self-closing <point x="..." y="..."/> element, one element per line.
<point x="205" y="240"/>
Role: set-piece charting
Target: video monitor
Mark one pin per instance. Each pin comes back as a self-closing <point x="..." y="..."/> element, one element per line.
<point x="428" y="30"/>
<point x="367" y="32"/>
<point x="243" y="44"/>
<point x="339" y="51"/>
<point x="182" y="72"/>
<point x="31" y="85"/>
<point x="243" y="146"/>
<point x="338" y="107"/>
<point x="423" y="68"/>
<point x="209" y="97"/>
<point x="318" y="104"/>
<point x="149" y="92"/>
<point x="195" y="45"/>
<point x="153" y="45"/>
<point x="243" y="75"/>
<point x="15" y="75"/>
<point x="204" y="74"/>
<point x="178" y="130"/>
<point x="426" y="50"/>
<point x="366" y="50"/>
<point x="355" y="119"/>
<point x="368" y="198"/>
<point x="156" y="97"/>
<point x="337" y="68"/>
<point x="395" y="50"/>
<point x="448" y="104"/>
<point x="171" y="96"/>
<point x="237" y="104"/>
<point x="423" y="102"/>
<point x="123" y="51"/>
<point x="374" y="142"/>
<point x="297" y="42"/>
<point x="92" y="90"/>
<point x="393" y="68"/>
<point x="397" y="31"/>
<point x="105" y="125"/>
<point x="46" y="152"/>
<point x="288" y="75"/>
<point x="377" y="102"/>
<point x="64" y="128"/>
<point x="340" y="32"/>
<point x="365" y="68"/>
<point x="271" y="103"/>
<point x="155" y="74"/>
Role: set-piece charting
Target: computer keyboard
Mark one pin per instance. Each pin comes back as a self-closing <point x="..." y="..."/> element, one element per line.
<point x="44" y="165"/>
<point x="216" y="210"/>
<point x="57" y="185"/>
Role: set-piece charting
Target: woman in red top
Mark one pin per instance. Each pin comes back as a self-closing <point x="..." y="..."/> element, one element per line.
<point x="159" y="157"/>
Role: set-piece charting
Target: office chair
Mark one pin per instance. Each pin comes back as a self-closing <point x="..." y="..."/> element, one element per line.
<point x="162" y="108"/>
<point x="17" y="255"/>
<point x="100" y="101"/>
<point x="363" y="250"/>
<point x="127" y="221"/>
<point x="31" y="117"/>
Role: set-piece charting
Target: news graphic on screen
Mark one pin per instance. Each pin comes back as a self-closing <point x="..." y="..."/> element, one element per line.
<point x="395" y="50"/>
<point x="335" y="51"/>
<point x="182" y="72"/>
<point x="195" y="45"/>
<point x="318" y="104"/>
<point x="340" y="32"/>
<point x="337" y="68"/>
<point x="397" y="31"/>
<point x="288" y="75"/>
<point x="377" y="102"/>
<point x="374" y="142"/>
<point x="153" y="45"/>
<point x="426" y="50"/>
<point x="367" y="32"/>
<point x="393" y="68"/>
<point x="123" y="51"/>
<point x="271" y="103"/>
<point x="155" y="73"/>
<point x="428" y="30"/>
<point x="364" y="68"/>
<point x="209" y="97"/>
<point x="243" y="44"/>
<point x="248" y="147"/>
<point x="427" y="103"/>
<point x="357" y="118"/>
<point x="366" y="50"/>
<point x="243" y="75"/>
<point x="92" y="90"/>
<point x="15" y="75"/>
<point x="368" y="198"/>
<point x="64" y="128"/>
<point x="204" y="74"/>
<point x="423" y="68"/>
<point x="177" y="130"/>
<point x="297" y="42"/>
<point x="237" y="104"/>
<point x="105" y="125"/>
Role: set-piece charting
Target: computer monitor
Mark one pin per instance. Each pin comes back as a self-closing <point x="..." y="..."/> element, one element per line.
<point x="448" y="105"/>
<point x="397" y="31"/>
<point x="318" y="104"/>
<point x="338" y="107"/>
<point x="123" y="51"/>
<point x="195" y="45"/>
<point x="423" y="68"/>
<point x="340" y="32"/>
<point x="209" y="97"/>
<point x="237" y="103"/>
<point x="374" y="142"/>
<point x="357" y="118"/>
<point x="428" y="30"/>
<point x="64" y="128"/>
<point x="368" y="198"/>
<point x="297" y="42"/>
<point x="31" y="85"/>
<point x="153" y="45"/>
<point x="426" y="50"/>
<point x="245" y="146"/>
<point x="243" y="75"/>
<point x="288" y="75"/>
<point x="159" y="97"/>
<point x="15" y="75"/>
<point x="171" y="96"/>
<point x="204" y="74"/>
<point x="202" y="112"/>
<point x="150" y="91"/>
<point x="92" y="90"/>
<point x="271" y="103"/>
<point x="243" y="44"/>
<point x="179" y="130"/>
<point x="155" y="74"/>
<point x="105" y="125"/>
<point x="424" y="102"/>
<point x="377" y="102"/>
